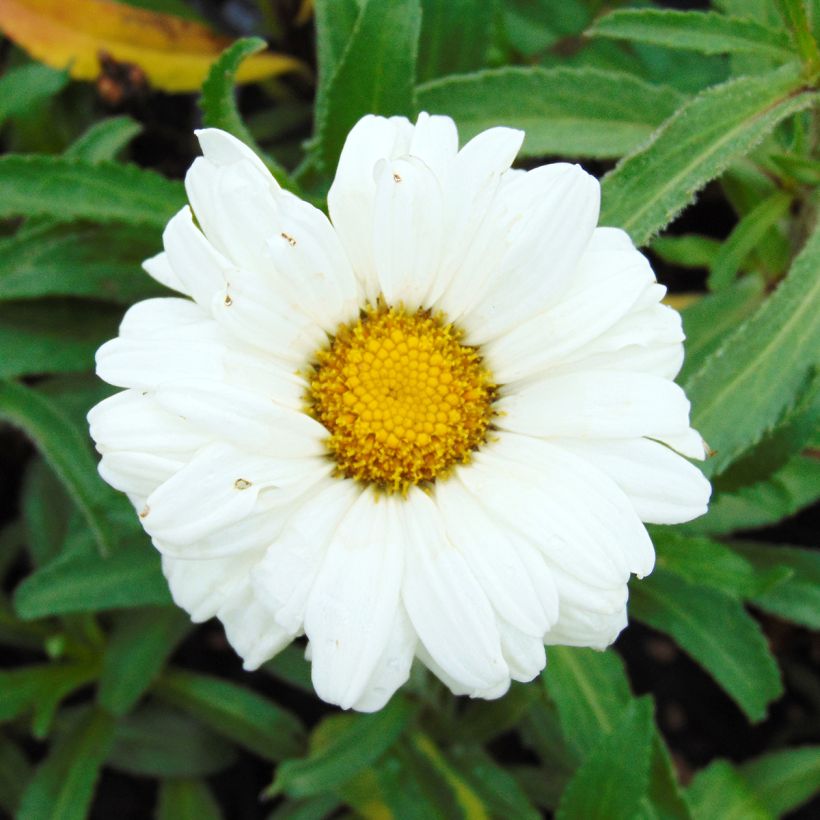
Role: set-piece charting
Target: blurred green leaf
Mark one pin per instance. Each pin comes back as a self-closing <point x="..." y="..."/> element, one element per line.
<point x="708" y="562"/>
<point x="186" y="800"/>
<point x="335" y="22"/>
<point x="614" y="776"/>
<point x="574" y="112"/>
<point x="590" y="690"/>
<point x="349" y="745"/>
<point x="719" y="791"/>
<point x="52" y="337"/>
<point x="103" y="140"/>
<point x="15" y="772"/>
<point x="711" y="319"/>
<point x="795" y="14"/>
<point x="455" y="36"/>
<point x="235" y="712"/>
<point x="129" y="577"/>
<point x="141" y="642"/>
<point x="782" y="781"/>
<point x="790" y="489"/>
<point x="290" y="666"/>
<point x="313" y="808"/>
<point x="746" y="236"/>
<point x="69" y="189"/>
<point x="155" y="741"/>
<point x="22" y="88"/>
<point x="67" y="451"/>
<point x="687" y="251"/>
<point x="376" y="74"/>
<point x="664" y="799"/>
<point x="708" y="32"/>
<point x="804" y="170"/>
<point x="46" y="509"/>
<point x="716" y="631"/>
<point x="743" y="389"/>
<point x="96" y="261"/>
<point x="63" y="784"/>
<point x="797" y="597"/>
<point x="649" y="187"/>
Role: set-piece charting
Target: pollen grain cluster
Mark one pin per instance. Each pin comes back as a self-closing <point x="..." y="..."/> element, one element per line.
<point x="403" y="399"/>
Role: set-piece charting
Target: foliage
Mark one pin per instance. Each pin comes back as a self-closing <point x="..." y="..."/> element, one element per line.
<point x="665" y="103"/>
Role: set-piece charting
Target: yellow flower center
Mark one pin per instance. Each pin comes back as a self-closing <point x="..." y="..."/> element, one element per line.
<point x="403" y="399"/>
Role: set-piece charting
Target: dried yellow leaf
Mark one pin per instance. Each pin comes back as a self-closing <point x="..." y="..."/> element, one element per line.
<point x="174" y="54"/>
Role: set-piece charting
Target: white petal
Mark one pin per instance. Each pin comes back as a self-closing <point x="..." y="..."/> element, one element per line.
<point x="243" y="418"/>
<point x="595" y="404"/>
<point x="219" y="487"/>
<point x="202" y="587"/>
<point x="137" y="473"/>
<point x="351" y="196"/>
<point x="435" y="143"/>
<point x="688" y="443"/>
<point x="158" y="267"/>
<point x="222" y="148"/>
<point x="197" y="265"/>
<point x="251" y="630"/>
<point x="576" y="628"/>
<point x="456" y="686"/>
<point x="393" y="668"/>
<point x="557" y="208"/>
<point x="407" y="230"/>
<point x="284" y="578"/>
<point x="354" y="600"/>
<point x="493" y="556"/>
<point x="524" y="653"/>
<point x="446" y="604"/>
<point x="165" y="318"/>
<point x="663" y="487"/>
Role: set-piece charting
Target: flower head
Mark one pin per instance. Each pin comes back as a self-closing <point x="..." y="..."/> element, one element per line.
<point x="429" y="427"/>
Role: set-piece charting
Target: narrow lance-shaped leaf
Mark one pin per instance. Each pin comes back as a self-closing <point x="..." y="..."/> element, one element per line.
<point x="782" y="781"/>
<point x="67" y="189"/>
<point x="707" y="32"/>
<point x="66" y="449"/>
<point x="719" y="791"/>
<point x="104" y="139"/>
<point x="578" y="112"/>
<point x="376" y="74"/>
<point x="186" y="800"/>
<point x="649" y="187"/>
<point x="218" y="100"/>
<point x="24" y="87"/>
<point x="717" y="632"/>
<point x="743" y="389"/>
<point x="63" y="785"/>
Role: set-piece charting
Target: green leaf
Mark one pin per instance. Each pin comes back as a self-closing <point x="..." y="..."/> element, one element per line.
<point x="686" y="251"/>
<point x="155" y="741"/>
<point x="46" y="509"/>
<point x="743" y="389"/>
<point x="361" y="741"/>
<point x="186" y="800"/>
<point x="22" y="88"/>
<point x="290" y="666"/>
<point x="69" y="189"/>
<point x="574" y="112"/>
<point x="650" y="186"/>
<point x="746" y="236"/>
<point x="708" y="562"/>
<point x="376" y="74"/>
<point x="707" y="32"/>
<point x="218" y="100"/>
<point x="803" y="170"/>
<point x="782" y="781"/>
<point x="711" y="319"/>
<point x="795" y="16"/>
<point x="664" y="799"/>
<point x="614" y="777"/>
<point x="719" y="791"/>
<point x="95" y="261"/>
<point x="335" y="22"/>
<point x="52" y="337"/>
<point x="129" y="577"/>
<point x="15" y="772"/>
<point x="717" y="632"/>
<point x="590" y="690"/>
<point x="797" y="597"/>
<point x="103" y="140"/>
<point x="63" y="785"/>
<point x="141" y="641"/>
<point x="237" y="713"/>
<point x="494" y="784"/>
<point x="455" y="37"/>
<point x="68" y="453"/>
<point x="314" y="808"/>
<point x="790" y="489"/>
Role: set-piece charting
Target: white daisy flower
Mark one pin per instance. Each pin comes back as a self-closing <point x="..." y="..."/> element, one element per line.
<point x="429" y="427"/>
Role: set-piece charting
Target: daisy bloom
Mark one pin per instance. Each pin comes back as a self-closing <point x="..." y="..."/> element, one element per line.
<point x="428" y="427"/>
